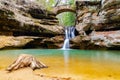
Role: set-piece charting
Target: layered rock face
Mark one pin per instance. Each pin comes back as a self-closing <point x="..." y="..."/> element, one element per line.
<point x="27" y="24"/>
<point x="98" y="15"/>
<point x="14" y="42"/>
<point x="99" y="20"/>
<point x="27" y="18"/>
<point x="98" y="40"/>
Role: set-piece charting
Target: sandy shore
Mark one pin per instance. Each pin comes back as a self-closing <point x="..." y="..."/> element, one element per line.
<point x="28" y="74"/>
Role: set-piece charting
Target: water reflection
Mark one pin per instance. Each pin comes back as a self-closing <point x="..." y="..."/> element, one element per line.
<point x="105" y="56"/>
<point x="113" y="56"/>
<point x="66" y="56"/>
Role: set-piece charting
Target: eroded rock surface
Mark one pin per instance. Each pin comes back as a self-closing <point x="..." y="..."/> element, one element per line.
<point x="98" y="15"/>
<point x="98" y="40"/>
<point x="29" y="18"/>
<point x="26" y="16"/>
<point x="12" y="42"/>
<point x="100" y="20"/>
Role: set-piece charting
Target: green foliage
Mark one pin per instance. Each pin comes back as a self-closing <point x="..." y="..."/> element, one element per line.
<point x="71" y="2"/>
<point x="48" y="4"/>
<point x="66" y="19"/>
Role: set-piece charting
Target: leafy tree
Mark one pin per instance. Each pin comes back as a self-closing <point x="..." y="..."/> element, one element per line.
<point x="67" y="18"/>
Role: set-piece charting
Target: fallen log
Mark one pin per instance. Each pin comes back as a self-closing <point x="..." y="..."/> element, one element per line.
<point x="26" y="60"/>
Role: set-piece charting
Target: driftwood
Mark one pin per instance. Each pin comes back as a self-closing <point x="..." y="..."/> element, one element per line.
<point x="26" y="60"/>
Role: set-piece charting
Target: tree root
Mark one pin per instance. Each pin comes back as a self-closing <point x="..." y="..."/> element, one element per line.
<point x="26" y="60"/>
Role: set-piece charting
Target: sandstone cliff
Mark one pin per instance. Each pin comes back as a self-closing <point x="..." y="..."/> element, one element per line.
<point x="26" y="18"/>
<point x="97" y="25"/>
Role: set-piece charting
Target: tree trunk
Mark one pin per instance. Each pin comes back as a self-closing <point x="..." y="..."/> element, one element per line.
<point x="26" y="60"/>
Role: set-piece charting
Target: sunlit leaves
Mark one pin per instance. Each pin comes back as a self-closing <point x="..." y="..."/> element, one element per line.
<point x="66" y="19"/>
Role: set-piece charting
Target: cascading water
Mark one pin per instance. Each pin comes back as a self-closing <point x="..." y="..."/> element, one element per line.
<point x="69" y="34"/>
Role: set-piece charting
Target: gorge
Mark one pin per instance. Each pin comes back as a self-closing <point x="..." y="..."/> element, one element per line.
<point x="30" y="25"/>
<point x="75" y="39"/>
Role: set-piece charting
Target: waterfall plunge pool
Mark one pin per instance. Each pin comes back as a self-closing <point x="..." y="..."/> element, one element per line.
<point x="89" y="63"/>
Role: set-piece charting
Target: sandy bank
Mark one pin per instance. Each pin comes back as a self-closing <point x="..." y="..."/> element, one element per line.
<point x="28" y="74"/>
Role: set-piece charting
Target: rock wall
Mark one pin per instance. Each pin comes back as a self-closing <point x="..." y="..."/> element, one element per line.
<point x="20" y="16"/>
<point x="14" y="42"/>
<point x="98" y="24"/>
<point x="27" y="18"/>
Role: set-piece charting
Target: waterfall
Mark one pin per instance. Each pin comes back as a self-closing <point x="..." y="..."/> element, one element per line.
<point x="69" y="34"/>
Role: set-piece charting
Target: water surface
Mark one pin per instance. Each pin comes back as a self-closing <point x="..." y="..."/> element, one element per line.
<point x="70" y="62"/>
